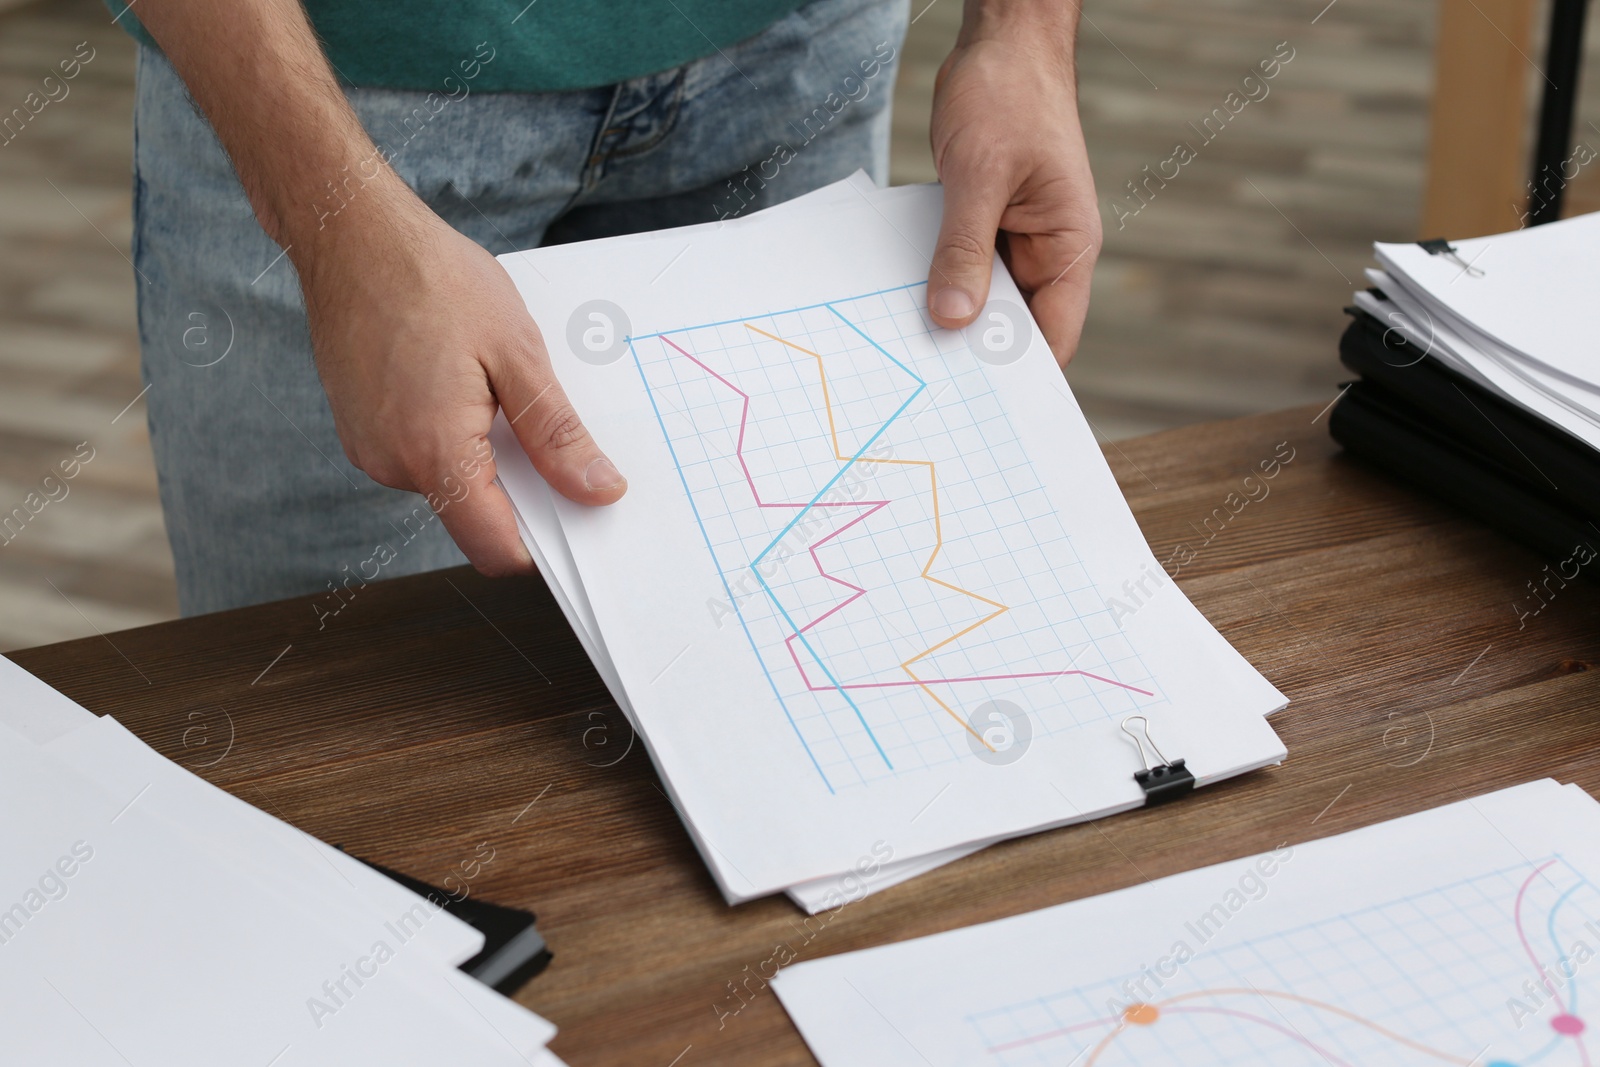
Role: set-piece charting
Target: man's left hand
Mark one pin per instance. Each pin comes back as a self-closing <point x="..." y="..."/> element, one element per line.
<point x="1009" y="149"/>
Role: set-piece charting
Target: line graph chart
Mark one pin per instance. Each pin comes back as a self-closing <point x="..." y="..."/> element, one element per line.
<point x="881" y="538"/>
<point x="1490" y="971"/>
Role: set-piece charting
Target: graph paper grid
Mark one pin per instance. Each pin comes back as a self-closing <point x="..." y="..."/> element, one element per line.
<point x="1492" y="971"/>
<point x="882" y="538"/>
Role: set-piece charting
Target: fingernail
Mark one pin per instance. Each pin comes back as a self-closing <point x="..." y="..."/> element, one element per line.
<point x="953" y="303"/>
<point x="602" y="474"/>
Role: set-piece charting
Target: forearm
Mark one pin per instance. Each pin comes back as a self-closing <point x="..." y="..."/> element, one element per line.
<point x="260" y="77"/>
<point x="1048" y="27"/>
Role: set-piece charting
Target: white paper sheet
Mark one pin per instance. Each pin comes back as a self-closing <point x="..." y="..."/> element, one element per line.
<point x="1535" y="294"/>
<point x="1470" y="344"/>
<point x="276" y="859"/>
<point x="835" y="891"/>
<point x="1436" y="339"/>
<point x="45" y="716"/>
<point x="1444" y="937"/>
<point x="775" y="795"/>
<point x="125" y="942"/>
<point x="33" y="710"/>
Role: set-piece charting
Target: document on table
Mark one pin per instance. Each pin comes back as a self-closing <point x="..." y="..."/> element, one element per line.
<point x="1511" y="311"/>
<point x="148" y="916"/>
<point x="1463" y="935"/>
<point x="873" y="593"/>
<point x="1530" y="291"/>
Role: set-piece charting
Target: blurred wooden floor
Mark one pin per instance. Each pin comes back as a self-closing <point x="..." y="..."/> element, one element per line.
<point x="1222" y="296"/>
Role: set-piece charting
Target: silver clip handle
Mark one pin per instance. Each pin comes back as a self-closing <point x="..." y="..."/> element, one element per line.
<point x="1142" y="739"/>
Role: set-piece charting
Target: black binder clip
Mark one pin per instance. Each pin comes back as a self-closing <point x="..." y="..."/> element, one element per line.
<point x="1162" y="780"/>
<point x="1438" y="246"/>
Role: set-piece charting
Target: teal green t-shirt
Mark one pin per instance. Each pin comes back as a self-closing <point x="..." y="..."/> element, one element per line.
<point x="517" y="46"/>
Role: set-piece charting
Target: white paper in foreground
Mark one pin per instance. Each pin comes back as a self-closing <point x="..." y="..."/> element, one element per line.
<point x="846" y="537"/>
<point x="125" y="941"/>
<point x="105" y="751"/>
<point x="1448" y="937"/>
<point x="269" y="855"/>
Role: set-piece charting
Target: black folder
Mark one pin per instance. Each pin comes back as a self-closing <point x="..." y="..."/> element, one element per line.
<point x="1546" y="456"/>
<point x="1423" y="422"/>
<point x="513" y="949"/>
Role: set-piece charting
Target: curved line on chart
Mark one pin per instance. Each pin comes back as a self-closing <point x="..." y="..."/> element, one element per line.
<point x="1007" y="1046"/>
<point x="1293" y="1035"/>
<point x="1298" y="999"/>
<point x="1103" y="1044"/>
<point x="1120" y="1024"/>
<point x="1572" y="980"/>
<point x="1545" y="1050"/>
<point x="1516" y="915"/>
<point x="1105" y="1041"/>
<point x="1550" y="927"/>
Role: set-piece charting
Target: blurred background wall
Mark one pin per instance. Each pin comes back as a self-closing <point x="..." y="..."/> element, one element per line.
<point x="1219" y="296"/>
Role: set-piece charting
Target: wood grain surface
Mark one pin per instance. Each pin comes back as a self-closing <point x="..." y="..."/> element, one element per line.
<point x="437" y="713"/>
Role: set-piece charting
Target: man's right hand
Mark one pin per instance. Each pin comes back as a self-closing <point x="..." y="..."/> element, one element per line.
<point x="419" y="337"/>
<point x="419" y="334"/>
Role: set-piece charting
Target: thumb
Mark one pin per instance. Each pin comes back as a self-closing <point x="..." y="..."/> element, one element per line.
<point x="958" y="282"/>
<point x="551" y="433"/>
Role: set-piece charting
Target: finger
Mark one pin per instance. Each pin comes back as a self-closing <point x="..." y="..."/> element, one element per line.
<point x="550" y="431"/>
<point x="1065" y="265"/>
<point x="462" y="492"/>
<point x="958" y="282"/>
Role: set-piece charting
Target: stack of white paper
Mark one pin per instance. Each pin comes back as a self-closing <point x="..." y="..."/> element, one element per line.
<point x="873" y="598"/>
<point x="1515" y="313"/>
<point x="1465" y="935"/>
<point x="148" y="917"/>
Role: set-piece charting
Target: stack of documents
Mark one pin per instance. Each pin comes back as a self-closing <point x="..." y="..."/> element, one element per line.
<point x="1481" y="379"/>
<point x="1464" y="935"/>
<point x="1515" y="313"/>
<point x="149" y="917"/>
<point x="873" y="598"/>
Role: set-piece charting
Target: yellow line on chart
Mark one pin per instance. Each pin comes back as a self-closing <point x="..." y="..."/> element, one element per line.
<point x="938" y="533"/>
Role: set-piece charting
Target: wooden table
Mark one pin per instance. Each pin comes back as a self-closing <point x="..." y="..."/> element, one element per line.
<point x="438" y="714"/>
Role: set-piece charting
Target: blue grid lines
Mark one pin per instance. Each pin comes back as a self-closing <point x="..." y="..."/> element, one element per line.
<point x="824" y="504"/>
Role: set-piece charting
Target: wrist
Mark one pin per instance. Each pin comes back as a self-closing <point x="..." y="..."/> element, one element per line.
<point x="376" y="220"/>
<point x="1047" y="29"/>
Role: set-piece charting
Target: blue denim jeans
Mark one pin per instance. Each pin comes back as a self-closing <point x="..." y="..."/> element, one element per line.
<point x="260" y="501"/>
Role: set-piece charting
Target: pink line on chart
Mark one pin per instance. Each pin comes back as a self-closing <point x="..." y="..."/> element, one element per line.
<point x="965" y="678"/>
<point x="857" y="593"/>
<point x="1583" y="1049"/>
<point x="1523" y="937"/>
<point x="1049" y="1034"/>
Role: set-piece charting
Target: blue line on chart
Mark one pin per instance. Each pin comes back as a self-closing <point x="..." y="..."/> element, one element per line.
<point x="784" y="311"/>
<point x="756" y="563"/>
<point x="705" y="535"/>
<point x="720" y="573"/>
<point x="1550" y="925"/>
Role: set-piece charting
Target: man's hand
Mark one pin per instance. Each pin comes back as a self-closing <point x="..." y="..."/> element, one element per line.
<point x="419" y="336"/>
<point x="1009" y="150"/>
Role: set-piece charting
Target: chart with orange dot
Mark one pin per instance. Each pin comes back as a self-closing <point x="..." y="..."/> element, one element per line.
<point x="1419" y="979"/>
<point x="1468" y="935"/>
